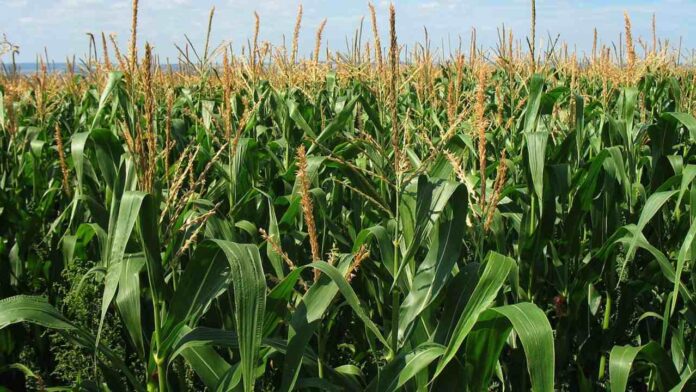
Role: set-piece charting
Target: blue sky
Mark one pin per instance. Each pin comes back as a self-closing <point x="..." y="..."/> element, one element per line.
<point x="60" y="25"/>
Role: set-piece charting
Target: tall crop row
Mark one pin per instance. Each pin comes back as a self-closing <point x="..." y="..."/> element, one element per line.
<point x="382" y="220"/>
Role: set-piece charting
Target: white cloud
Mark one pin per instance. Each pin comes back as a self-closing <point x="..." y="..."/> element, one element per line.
<point x="431" y="5"/>
<point x="162" y="21"/>
<point x="14" y="3"/>
<point x="80" y="3"/>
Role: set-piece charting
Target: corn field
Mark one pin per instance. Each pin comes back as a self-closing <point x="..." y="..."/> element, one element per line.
<point x="386" y="219"/>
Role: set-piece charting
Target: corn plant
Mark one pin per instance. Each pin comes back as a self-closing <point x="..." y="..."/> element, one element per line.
<point x="371" y="222"/>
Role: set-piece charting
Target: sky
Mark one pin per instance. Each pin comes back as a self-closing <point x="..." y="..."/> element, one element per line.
<point x="60" y="26"/>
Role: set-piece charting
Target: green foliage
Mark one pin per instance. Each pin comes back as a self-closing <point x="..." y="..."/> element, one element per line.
<point x="146" y="260"/>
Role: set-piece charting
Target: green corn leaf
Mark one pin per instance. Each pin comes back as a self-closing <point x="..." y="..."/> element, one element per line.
<point x="651" y="207"/>
<point x="621" y="361"/>
<point x="208" y="365"/>
<point x="684" y="119"/>
<point x="111" y="84"/>
<point x="536" y="155"/>
<point x="36" y="310"/>
<point x="299" y="120"/>
<point x="535" y="333"/>
<point x="214" y="264"/>
<point x="384" y="242"/>
<point x="405" y="367"/>
<point x="339" y="121"/>
<point x="230" y="380"/>
<point x="275" y="258"/>
<point x="206" y="276"/>
<point x="531" y="113"/>
<point x="118" y="240"/>
<point x="434" y="272"/>
<point x="148" y="228"/>
<point x="681" y="260"/>
<point x="128" y="299"/>
<point x="249" y="286"/>
<point x="306" y="317"/>
<point x="483" y="347"/>
<point x="687" y="381"/>
<point x="494" y="275"/>
<point x="422" y="204"/>
<point x="305" y="320"/>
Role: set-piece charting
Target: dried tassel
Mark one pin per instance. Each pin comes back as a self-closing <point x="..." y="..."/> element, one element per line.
<point x="61" y="159"/>
<point x="307" y="206"/>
